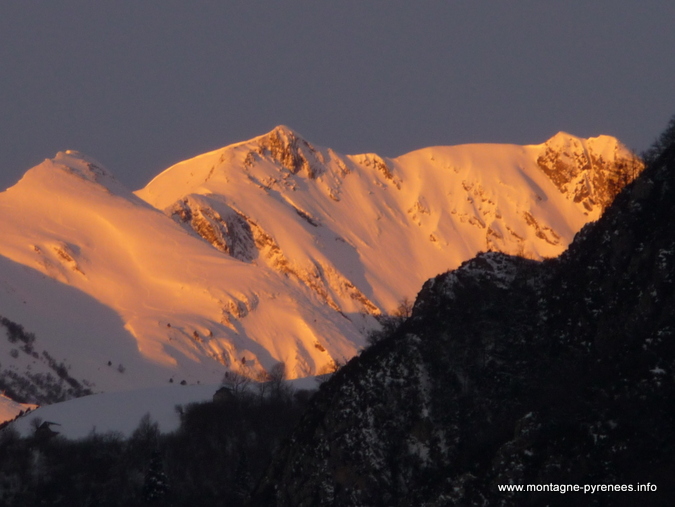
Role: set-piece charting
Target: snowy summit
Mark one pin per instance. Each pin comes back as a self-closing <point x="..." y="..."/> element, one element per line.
<point x="268" y="250"/>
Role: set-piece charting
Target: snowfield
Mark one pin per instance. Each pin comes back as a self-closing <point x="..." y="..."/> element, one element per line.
<point x="268" y="250"/>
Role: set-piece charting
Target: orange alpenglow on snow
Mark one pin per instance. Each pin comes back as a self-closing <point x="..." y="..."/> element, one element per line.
<point x="273" y="249"/>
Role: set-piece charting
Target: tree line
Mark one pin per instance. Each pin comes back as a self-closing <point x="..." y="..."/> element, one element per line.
<point x="220" y="450"/>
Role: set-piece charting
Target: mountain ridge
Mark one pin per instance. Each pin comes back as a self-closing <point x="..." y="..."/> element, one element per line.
<point x="277" y="230"/>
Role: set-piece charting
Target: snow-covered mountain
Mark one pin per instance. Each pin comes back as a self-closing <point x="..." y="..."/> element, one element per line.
<point x="268" y="250"/>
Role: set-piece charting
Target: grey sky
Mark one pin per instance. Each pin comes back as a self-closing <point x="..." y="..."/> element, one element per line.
<point x="142" y="85"/>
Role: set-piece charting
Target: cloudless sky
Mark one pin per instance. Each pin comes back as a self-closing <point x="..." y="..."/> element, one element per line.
<point x="142" y="85"/>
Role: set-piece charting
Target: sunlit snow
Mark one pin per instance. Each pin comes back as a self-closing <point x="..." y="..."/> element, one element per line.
<point x="264" y="251"/>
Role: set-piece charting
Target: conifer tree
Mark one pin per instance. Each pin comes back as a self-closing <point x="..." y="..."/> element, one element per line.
<point x="156" y="483"/>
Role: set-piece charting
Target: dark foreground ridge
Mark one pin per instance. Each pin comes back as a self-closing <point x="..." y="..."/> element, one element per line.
<point x="512" y="372"/>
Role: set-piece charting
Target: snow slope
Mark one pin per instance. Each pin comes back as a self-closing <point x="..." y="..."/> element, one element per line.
<point x="118" y="412"/>
<point x="122" y="411"/>
<point x="182" y="301"/>
<point x="268" y="250"/>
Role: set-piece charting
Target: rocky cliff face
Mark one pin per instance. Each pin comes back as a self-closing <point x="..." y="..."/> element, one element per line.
<point x="511" y="371"/>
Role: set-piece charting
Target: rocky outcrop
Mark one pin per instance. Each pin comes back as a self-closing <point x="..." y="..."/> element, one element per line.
<point x="589" y="171"/>
<point x="44" y="380"/>
<point x="291" y="151"/>
<point x="227" y="230"/>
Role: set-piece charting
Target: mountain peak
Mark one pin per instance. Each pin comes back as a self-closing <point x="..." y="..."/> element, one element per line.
<point x="288" y="148"/>
<point x="76" y="155"/>
<point x="562" y="136"/>
<point x="83" y="165"/>
<point x="282" y="135"/>
<point x="589" y="171"/>
<point x="62" y="169"/>
<point x="564" y="141"/>
<point x="284" y="130"/>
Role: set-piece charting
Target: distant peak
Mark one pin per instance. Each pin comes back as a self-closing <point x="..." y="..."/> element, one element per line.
<point x="82" y="165"/>
<point x="72" y="164"/>
<point x="565" y="139"/>
<point x="74" y="156"/>
<point x="590" y="171"/>
<point x="563" y="135"/>
<point x="282" y="135"/>
<point x="290" y="149"/>
<point x="283" y="130"/>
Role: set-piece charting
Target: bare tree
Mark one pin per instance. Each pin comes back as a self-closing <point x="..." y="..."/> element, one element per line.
<point x="392" y="322"/>
<point x="262" y="378"/>
<point x="279" y="387"/>
<point x="236" y="381"/>
<point x="404" y="309"/>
